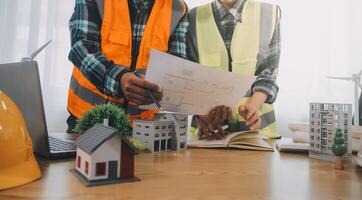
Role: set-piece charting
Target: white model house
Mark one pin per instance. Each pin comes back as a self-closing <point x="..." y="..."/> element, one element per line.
<point x="104" y="156"/>
<point x="167" y="132"/>
<point x="324" y="119"/>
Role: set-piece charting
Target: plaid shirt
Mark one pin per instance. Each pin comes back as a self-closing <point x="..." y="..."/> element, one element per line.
<point x="226" y="19"/>
<point x="266" y="70"/>
<point x="85" y="27"/>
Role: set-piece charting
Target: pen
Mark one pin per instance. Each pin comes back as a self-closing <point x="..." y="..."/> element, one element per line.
<point x="223" y="127"/>
<point x="150" y="94"/>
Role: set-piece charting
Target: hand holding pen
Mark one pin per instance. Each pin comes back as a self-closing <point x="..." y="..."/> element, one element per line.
<point x="136" y="89"/>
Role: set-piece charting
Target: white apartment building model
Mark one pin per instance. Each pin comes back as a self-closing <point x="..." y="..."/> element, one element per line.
<point x="166" y="133"/>
<point x="324" y="119"/>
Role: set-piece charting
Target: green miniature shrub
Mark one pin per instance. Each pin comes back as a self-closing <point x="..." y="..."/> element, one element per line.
<point x="339" y="145"/>
<point x="117" y="119"/>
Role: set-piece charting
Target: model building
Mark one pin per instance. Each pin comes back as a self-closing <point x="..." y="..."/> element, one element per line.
<point x="104" y="156"/>
<point x="167" y="132"/>
<point x="324" y="120"/>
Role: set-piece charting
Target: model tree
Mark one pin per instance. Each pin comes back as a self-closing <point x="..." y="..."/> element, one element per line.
<point x="339" y="148"/>
<point x="115" y="116"/>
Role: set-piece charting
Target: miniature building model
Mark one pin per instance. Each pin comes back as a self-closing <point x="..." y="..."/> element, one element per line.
<point x="324" y="119"/>
<point x="167" y="132"/>
<point x="104" y="156"/>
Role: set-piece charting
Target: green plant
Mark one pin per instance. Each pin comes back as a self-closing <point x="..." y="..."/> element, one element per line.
<point x="117" y="119"/>
<point x="339" y="144"/>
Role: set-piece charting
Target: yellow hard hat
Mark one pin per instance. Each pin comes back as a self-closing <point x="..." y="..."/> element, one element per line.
<point x="17" y="162"/>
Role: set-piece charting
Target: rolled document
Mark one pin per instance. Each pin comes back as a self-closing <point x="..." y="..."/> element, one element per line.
<point x="300" y="137"/>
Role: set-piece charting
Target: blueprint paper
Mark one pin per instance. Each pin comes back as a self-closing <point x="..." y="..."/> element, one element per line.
<point x="191" y="88"/>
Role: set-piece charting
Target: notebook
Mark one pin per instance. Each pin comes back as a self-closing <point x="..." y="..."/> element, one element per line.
<point x="248" y="140"/>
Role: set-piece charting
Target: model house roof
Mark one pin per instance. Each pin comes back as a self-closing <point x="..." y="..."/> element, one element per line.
<point x="96" y="136"/>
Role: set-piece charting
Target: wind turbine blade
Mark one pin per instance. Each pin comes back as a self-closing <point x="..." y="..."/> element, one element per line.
<point x="36" y="52"/>
<point x="340" y="78"/>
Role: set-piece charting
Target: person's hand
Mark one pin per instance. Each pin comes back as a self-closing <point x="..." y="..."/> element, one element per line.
<point x="213" y="121"/>
<point x="218" y="115"/>
<point x="250" y="113"/>
<point x="134" y="89"/>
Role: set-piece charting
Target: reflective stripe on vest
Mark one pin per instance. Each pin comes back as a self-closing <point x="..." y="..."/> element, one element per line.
<point x="116" y="45"/>
<point x="250" y="42"/>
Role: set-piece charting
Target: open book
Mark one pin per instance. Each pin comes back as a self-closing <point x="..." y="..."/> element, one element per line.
<point x="249" y="140"/>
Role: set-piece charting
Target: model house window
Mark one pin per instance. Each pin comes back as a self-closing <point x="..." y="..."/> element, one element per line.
<point x="147" y="134"/>
<point x="157" y="135"/>
<point x="163" y="145"/>
<point x="169" y="126"/>
<point x="87" y="167"/>
<point x="147" y="126"/>
<point x="182" y="145"/>
<point x="163" y="134"/>
<point x="169" y="144"/>
<point x="78" y="161"/>
<point x="163" y="127"/>
<point x="156" y="146"/>
<point x="157" y="127"/>
<point x="182" y="134"/>
<point x="100" y="169"/>
<point x="138" y="133"/>
<point x="335" y="107"/>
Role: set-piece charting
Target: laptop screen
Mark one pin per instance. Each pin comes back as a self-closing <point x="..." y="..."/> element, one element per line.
<point x="20" y="81"/>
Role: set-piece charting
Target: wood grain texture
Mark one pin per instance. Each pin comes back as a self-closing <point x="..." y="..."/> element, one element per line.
<point x="206" y="174"/>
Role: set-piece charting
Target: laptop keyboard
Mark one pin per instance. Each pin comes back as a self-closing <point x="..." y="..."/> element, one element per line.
<point x="57" y="144"/>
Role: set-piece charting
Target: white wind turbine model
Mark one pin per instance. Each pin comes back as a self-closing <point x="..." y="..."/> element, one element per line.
<point x="35" y="53"/>
<point x="356" y="78"/>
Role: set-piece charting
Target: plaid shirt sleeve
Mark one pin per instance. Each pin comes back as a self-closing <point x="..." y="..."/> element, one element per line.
<point x="85" y="54"/>
<point x="267" y="71"/>
<point x="177" y="44"/>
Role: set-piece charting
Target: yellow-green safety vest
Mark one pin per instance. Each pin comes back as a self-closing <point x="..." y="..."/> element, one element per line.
<point x="250" y="42"/>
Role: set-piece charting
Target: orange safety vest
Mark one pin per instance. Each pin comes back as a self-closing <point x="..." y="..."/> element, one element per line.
<point x="116" y="45"/>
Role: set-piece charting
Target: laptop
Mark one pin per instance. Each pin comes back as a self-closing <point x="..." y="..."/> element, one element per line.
<point x="21" y="82"/>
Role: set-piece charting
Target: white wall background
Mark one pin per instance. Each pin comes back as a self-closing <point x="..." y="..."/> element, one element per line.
<point x="319" y="38"/>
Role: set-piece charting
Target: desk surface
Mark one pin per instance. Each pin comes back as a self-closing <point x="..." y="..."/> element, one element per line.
<point x="206" y="174"/>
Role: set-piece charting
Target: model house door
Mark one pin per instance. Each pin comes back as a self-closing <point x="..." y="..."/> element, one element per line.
<point x="112" y="169"/>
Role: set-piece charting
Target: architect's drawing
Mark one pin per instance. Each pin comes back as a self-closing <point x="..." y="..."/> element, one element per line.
<point x="324" y="119"/>
<point x="179" y="91"/>
<point x="191" y="88"/>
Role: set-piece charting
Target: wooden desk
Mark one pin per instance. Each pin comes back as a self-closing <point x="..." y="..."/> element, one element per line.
<point x="206" y="174"/>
